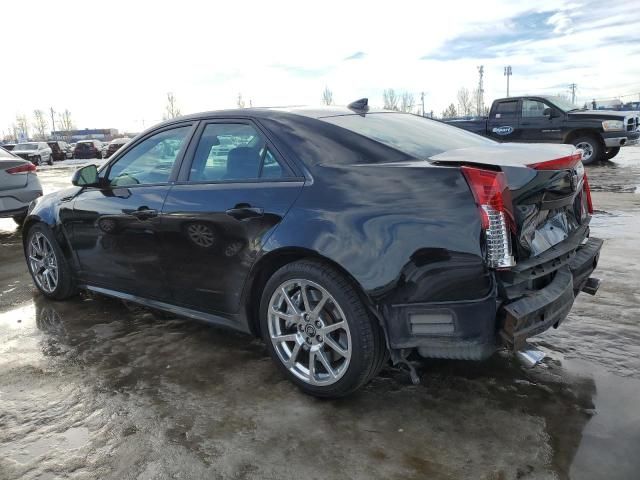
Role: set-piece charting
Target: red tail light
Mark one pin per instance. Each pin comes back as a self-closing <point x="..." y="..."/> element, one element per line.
<point x="489" y="190"/>
<point x="587" y="192"/>
<point x="563" y="163"/>
<point x="26" y="168"/>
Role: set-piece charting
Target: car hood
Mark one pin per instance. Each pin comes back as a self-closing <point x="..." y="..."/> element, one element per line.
<point x="604" y="114"/>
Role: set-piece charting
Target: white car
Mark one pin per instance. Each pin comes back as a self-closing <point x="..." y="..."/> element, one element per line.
<point x="36" y="152"/>
<point x="19" y="185"/>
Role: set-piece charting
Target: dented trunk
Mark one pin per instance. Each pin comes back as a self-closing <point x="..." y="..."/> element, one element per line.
<point x="546" y="188"/>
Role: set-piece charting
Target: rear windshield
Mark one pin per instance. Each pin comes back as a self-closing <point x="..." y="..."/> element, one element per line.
<point x="416" y="136"/>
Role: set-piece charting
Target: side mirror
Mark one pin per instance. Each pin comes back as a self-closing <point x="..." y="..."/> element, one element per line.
<point x="550" y="112"/>
<point x="85" y="176"/>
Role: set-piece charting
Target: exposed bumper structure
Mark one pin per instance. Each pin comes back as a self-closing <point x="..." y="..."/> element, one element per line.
<point x="511" y="314"/>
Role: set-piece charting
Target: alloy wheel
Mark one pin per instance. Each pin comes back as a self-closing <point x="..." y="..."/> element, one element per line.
<point x="309" y="332"/>
<point x="587" y="150"/>
<point x="43" y="262"/>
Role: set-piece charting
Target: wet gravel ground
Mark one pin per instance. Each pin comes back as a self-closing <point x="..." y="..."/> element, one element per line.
<point x="96" y="388"/>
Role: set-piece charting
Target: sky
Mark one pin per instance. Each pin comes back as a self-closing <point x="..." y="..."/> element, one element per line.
<point x="111" y="64"/>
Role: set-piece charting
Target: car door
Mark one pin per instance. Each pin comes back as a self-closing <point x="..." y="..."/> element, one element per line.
<point x="503" y="123"/>
<point x="115" y="225"/>
<point x="234" y="190"/>
<point x="538" y="126"/>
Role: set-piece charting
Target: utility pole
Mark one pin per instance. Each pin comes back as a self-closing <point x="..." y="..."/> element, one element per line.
<point x="422" y="99"/>
<point x="480" y="91"/>
<point x="507" y="73"/>
<point x="573" y="87"/>
<point x="53" y="119"/>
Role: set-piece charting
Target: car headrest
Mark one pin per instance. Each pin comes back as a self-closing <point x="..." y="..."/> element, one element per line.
<point x="243" y="162"/>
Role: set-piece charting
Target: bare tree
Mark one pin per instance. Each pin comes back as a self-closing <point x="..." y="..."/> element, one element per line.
<point x="22" y="126"/>
<point x="240" y="101"/>
<point x="465" y="104"/>
<point x="406" y="102"/>
<point x="327" y="96"/>
<point x="40" y="124"/>
<point x="450" y="112"/>
<point x="390" y="99"/>
<point x="64" y="119"/>
<point x="171" y="110"/>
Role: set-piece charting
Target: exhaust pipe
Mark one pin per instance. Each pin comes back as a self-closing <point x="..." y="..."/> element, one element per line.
<point x="530" y="357"/>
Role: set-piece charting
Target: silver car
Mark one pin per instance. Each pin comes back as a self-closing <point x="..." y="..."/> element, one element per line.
<point x="36" y="152"/>
<point x="19" y="185"/>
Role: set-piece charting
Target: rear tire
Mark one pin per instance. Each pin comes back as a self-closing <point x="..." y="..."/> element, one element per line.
<point x="47" y="264"/>
<point x="592" y="149"/>
<point x="609" y="153"/>
<point x="19" y="219"/>
<point x="50" y="160"/>
<point x="333" y="347"/>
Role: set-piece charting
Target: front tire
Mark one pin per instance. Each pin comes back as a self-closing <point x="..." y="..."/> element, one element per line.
<point x="318" y="331"/>
<point x="592" y="150"/>
<point x="47" y="264"/>
<point x="50" y="160"/>
<point x="37" y="161"/>
<point x="609" y="153"/>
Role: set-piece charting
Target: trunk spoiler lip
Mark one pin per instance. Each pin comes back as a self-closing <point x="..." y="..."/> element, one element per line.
<point x="506" y="155"/>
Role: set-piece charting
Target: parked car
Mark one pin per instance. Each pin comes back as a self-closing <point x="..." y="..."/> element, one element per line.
<point x="598" y="133"/>
<point x="58" y="150"/>
<point x="342" y="236"/>
<point x="36" y="152"/>
<point x="88" y="149"/>
<point x="8" y="146"/>
<point x="19" y="185"/>
<point x="115" y="145"/>
<point x="70" y="148"/>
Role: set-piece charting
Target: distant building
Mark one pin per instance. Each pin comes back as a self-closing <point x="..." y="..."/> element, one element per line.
<point x="104" y="134"/>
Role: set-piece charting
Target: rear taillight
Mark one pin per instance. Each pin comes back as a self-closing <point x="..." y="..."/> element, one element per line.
<point x="26" y="168"/>
<point x="490" y="191"/>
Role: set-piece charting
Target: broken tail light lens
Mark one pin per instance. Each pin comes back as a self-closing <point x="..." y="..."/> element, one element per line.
<point x="489" y="190"/>
<point x="26" y="168"/>
<point x="587" y="192"/>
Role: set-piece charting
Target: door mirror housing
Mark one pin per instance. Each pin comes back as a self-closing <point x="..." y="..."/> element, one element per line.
<point x="85" y="176"/>
<point x="550" y="112"/>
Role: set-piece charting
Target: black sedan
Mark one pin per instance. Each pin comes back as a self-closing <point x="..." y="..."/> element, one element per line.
<point x="345" y="237"/>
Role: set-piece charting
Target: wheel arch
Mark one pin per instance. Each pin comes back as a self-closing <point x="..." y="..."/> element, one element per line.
<point x="271" y="262"/>
<point x="584" y="132"/>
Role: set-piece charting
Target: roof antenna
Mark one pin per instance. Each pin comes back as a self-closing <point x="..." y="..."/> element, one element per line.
<point x="361" y="105"/>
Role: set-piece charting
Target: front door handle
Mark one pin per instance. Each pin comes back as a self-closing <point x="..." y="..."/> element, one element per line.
<point x="244" y="210"/>
<point x="144" y="213"/>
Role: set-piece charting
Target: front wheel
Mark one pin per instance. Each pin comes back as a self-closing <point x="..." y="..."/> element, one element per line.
<point x="592" y="150"/>
<point x="48" y="266"/>
<point x="609" y="153"/>
<point x="37" y="161"/>
<point x="50" y="160"/>
<point x="318" y="330"/>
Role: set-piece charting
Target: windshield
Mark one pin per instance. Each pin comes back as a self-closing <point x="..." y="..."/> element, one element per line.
<point x="562" y="104"/>
<point x="417" y="136"/>
<point x="26" y="146"/>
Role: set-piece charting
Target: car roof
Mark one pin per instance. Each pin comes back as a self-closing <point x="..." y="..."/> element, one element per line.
<point x="274" y="112"/>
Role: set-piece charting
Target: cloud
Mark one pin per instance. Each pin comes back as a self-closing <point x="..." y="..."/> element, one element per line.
<point x="356" y="56"/>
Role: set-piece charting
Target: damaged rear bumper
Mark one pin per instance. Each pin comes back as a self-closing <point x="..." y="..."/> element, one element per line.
<point x="537" y="310"/>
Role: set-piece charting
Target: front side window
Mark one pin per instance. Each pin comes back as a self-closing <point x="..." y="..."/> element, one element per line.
<point x="233" y="151"/>
<point x="150" y="161"/>
<point x="533" y="108"/>
<point x="506" y="110"/>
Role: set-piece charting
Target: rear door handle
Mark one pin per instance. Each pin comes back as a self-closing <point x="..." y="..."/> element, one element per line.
<point x="244" y="210"/>
<point x="144" y="213"/>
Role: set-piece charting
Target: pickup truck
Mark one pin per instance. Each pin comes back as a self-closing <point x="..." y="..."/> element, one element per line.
<point x="598" y="133"/>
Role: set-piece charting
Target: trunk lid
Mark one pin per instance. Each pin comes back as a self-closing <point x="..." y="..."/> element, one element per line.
<point x="545" y="183"/>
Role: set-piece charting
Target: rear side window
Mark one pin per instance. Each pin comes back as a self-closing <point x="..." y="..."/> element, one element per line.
<point x="416" y="136"/>
<point x="233" y="151"/>
<point x="506" y="110"/>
